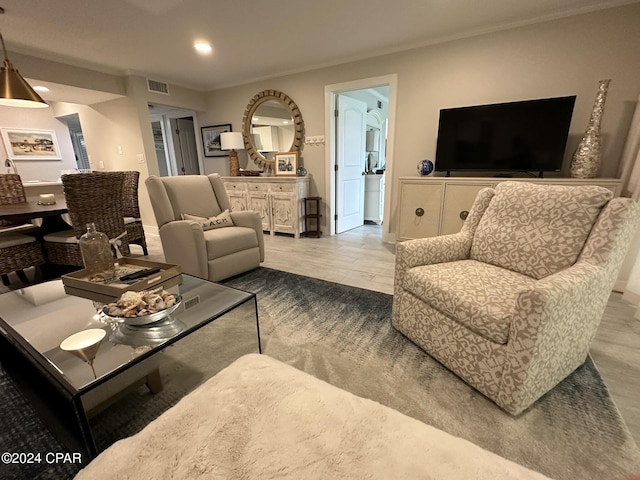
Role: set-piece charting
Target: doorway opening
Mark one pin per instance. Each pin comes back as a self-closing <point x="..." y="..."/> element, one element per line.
<point x="176" y="143"/>
<point x="360" y="123"/>
<point x="77" y="140"/>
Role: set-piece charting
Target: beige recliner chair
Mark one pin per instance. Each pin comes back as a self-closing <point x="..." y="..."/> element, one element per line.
<point x="511" y="303"/>
<point x="213" y="254"/>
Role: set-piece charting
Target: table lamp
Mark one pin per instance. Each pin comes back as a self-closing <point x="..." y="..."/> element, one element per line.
<point x="84" y="345"/>
<point x="232" y="141"/>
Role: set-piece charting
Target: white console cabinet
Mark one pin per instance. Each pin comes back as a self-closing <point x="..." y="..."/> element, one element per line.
<point x="438" y="205"/>
<point x="279" y="201"/>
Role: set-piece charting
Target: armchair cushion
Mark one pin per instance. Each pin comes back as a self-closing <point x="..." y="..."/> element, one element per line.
<point x="537" y="230"/>
<point x="218" y="221"/>
<point x="221" y="242"/>
<point x="479" y="296"/>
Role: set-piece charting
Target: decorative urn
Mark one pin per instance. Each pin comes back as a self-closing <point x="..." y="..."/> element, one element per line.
<point x="425" y="167"/>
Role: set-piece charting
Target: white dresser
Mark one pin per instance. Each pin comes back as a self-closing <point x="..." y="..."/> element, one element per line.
<point x="439" y="205"/>
<point x="278" y="200"/>
<point x="373" y="198"/>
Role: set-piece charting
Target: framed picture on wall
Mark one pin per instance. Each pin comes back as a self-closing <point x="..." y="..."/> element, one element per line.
<point x="211" y="140"/>
<point x="286" y="163"/>
<point x="31" y="144"/>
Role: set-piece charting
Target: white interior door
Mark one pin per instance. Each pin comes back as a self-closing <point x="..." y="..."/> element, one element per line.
<point x="350" y="157"/>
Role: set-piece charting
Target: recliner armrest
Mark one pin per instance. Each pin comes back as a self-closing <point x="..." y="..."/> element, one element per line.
<point x="183" y="243"/>
<point x="566" y="297"/>
<point x="553" y="325"/>
<point x="251" y="219"/>
<point x="427" y="251"/>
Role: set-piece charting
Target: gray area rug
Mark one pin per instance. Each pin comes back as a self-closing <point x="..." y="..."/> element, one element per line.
<point x="343" y="335"/>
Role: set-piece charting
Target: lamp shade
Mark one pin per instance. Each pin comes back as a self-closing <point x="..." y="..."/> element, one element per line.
<point x="231" y="141"/>
<point x="14" y="90"/>
<point x="84" y="344"/>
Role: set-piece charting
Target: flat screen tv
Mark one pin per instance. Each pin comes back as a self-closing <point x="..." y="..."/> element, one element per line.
<point x="527" y="136"/>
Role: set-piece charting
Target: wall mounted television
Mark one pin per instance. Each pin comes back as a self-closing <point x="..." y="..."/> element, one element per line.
<point x="527" y="136"/>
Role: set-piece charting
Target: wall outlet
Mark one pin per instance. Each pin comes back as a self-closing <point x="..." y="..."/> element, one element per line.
<point x="101" y="165"/>
<point x="119" y="149"/>
<point x="140" y="157"/>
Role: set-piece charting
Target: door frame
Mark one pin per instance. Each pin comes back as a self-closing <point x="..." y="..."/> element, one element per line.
<point x="167" y="133"/>
<point x="330" y="94"/>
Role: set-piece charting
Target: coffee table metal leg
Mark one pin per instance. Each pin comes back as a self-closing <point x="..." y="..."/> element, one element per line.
<point x="57" y="408"/>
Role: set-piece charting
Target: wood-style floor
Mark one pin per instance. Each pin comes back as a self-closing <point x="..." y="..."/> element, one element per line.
<point x="359" y="258"/>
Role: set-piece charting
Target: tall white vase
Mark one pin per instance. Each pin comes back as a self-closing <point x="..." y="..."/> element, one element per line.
<point x="587" y="158"/>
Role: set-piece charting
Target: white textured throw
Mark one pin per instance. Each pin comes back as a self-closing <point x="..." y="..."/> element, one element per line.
<point x="262" y="419"/>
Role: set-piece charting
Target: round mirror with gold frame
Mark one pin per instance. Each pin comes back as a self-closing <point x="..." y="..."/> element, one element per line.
<point x="272" y="123"/>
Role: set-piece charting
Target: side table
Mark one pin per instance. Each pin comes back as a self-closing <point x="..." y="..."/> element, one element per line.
<point x="312" y="217"/>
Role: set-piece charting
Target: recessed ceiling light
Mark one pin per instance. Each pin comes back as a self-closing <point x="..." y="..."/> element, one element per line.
<point x="40" y="88"/>
<point x="202" y="47"/>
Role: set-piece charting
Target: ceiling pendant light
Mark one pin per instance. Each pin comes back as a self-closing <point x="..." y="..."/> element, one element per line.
<point x="14" y="90"/>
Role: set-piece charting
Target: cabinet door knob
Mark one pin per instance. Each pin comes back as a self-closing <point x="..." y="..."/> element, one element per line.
<point x="464" y="214"/>
<point x="419" y="212"/>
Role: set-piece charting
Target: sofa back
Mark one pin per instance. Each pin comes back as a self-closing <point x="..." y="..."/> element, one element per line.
<point x="199" y="195"/>
<point x="537" y="230"/>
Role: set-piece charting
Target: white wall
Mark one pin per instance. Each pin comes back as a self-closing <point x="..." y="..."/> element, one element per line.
<point x="39" y="119"/>
<point x="113" y="140"/>
<point x="556" y="58"/>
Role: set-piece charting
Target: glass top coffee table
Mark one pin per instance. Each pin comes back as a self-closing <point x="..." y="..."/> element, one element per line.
<point x="34" y="321"/>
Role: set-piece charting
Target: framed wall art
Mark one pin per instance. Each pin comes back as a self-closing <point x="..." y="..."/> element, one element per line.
<point x="211" y="140"/>
<point x="31" y="144"/>
<point x="286" y="163"/>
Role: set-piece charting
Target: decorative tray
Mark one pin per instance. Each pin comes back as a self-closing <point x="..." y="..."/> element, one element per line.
<point x="78" y="284"/>
<point x="250" y="173"/>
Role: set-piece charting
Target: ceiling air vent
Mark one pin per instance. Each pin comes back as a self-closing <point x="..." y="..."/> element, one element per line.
<point x="157" y="87"/>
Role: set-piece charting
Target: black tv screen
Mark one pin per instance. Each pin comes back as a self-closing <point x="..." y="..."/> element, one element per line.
<point x="526" y="136"/>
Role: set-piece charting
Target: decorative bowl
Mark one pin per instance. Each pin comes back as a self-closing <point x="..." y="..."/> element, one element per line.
<point x="155" y="334"/>
<point x="425" y="167"/>
<point x="145" y="319"/>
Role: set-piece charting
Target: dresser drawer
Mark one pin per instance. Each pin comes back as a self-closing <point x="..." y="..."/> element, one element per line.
<point x="282" y="187"/>
<point x="231" y="186"/>
<point x="258" y="187"/>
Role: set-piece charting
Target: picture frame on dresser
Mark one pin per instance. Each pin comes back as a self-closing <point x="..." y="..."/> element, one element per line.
<point x="211" y="145"/>
<point x="31" y="144"/>
<point x="286" y="164"/>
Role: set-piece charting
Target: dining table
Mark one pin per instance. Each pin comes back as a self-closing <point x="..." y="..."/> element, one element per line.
<point x="52" y="221"/>
<point x="33" y="208"/>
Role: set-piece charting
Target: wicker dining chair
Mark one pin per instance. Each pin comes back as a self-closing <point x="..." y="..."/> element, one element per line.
<point x="132" y="220"/>
<point x="91" y="198"/>
<point x="11" y="193"/>
<point x="17" y="250"/>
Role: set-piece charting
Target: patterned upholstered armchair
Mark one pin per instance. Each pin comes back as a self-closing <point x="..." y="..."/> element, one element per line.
<point x="511" y="303"/>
